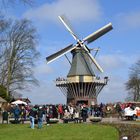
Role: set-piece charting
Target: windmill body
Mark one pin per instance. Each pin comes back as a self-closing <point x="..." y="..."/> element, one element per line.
<point x="81" y="84"/>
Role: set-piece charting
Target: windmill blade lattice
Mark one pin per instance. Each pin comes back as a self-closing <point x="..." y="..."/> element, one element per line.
<point x="68" y="28"/>
<point x="90" y="38"/>
<point x="60" y="53"/>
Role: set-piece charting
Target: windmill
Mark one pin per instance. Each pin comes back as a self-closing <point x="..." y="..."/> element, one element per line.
<point x="81" y="84"/>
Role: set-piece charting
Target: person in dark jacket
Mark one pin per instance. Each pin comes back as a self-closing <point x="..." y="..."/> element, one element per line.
<point x="84" y="113"/>
<point x="40" y="117"/>
<point x="119" y="110"/>
<point x="23" y="114"/>
<point x="4" y="116"/>
<point x="32" y="116"/>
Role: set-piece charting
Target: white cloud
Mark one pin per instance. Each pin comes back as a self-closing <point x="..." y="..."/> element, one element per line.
<point x="114" y="91"/>
<point x="116" y="66"/>
<point x="129" y="20"/>
<point x="112" y="62"/>
<point x="43" y="69"/>
<point x="47" y="93"/>
<point x="79" y="10"/>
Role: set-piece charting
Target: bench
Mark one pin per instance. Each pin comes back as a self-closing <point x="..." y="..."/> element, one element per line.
<point x="15" y="122"/>
<point x="95" y="119"/>
<point x="53" y="120"/>
<point x="66" y="120"/>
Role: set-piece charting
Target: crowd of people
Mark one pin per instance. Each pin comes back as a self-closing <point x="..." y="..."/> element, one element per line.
<point x="46" y="112"/>
<point x="43" y="113"/>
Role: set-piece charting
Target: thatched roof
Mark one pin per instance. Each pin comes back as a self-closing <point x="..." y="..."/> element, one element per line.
<point x="2" y="100"/>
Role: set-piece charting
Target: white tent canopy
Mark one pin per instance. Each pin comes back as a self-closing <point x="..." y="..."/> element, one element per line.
<point x="18" y="102"/>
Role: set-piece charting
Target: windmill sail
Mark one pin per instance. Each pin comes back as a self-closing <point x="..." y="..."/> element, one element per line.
<point x="80" y="44"/>
<point x="98" y="33"/>
<point x="60" y="53"/>
<point x="68" y="28"/>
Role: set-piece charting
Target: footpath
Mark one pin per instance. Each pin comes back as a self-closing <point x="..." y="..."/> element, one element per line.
<point x="118" y="120"/>
<point x="104" y="120"/>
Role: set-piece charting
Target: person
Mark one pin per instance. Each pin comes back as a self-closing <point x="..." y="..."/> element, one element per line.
<point x="92" y="112"/>
<point x="76" y="116"/>
<point x="71" y="110"/>
<point x="84" y="113"/>
<point x="40" y="117"/>
<point x="4" y="116"/>
<point x="44" y="113"/>
<point x="16" y="112"/>
<point x="119" y="110"/>
<point x="60" y="111"/>
<point x="48" y="116"/>
<point x="23" y="114"/>
<point x="32" y="116"/>
<point x="97" y="110"/>
<point x="66" y="116"/>
<point x="101" y="109"/>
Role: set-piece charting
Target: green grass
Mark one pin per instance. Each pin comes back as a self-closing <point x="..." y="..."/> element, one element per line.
<point x="58" y="132"/>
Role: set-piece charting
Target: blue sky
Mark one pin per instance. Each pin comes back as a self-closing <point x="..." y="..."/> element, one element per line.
<point x="119" y="47"/>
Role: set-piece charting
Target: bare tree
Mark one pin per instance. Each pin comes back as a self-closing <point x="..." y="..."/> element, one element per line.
<point x="19" y="54"/>
<point x="2" y="23"/>
<point x="4" y="4"/>
<point x="133" y="84"/>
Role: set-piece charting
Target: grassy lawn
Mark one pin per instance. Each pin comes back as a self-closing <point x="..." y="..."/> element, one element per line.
<point x="58" y="132"/>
